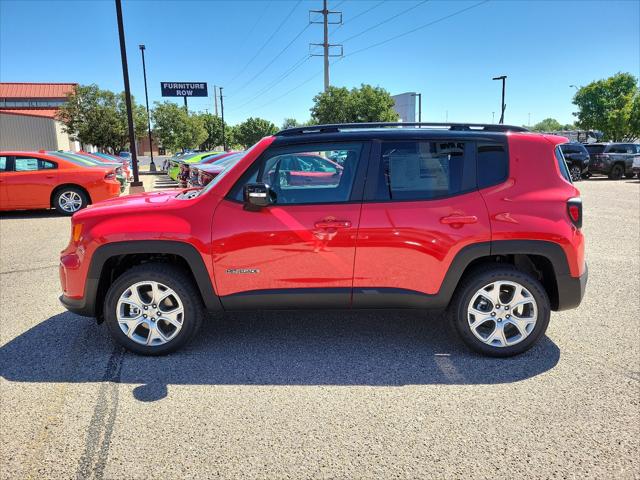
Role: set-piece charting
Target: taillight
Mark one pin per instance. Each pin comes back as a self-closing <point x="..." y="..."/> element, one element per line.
<point x="574" y="209"/>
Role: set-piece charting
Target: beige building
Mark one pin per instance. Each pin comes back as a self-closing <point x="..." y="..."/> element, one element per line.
<point x="27" y="116"/>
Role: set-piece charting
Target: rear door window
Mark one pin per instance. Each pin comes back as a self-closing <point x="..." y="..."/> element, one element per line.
<point x="4" y="164"/>
<point x="26" y="164"/>
<point x="425" y="170"/>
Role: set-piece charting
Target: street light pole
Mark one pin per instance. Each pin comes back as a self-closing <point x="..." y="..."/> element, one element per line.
<point x="127" y="95"/>
<point x="152" y="165"/>
<point x="224" y="140"/>
<point x="503" y="78"/>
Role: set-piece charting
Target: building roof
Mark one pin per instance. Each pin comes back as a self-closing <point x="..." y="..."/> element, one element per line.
<point x="31" y="112"/>
<point x="36" y="90"/>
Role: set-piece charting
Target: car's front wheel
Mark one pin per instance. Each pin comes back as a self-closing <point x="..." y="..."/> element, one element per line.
<point x="501" y="311"/>
<point x="153" y="309"/>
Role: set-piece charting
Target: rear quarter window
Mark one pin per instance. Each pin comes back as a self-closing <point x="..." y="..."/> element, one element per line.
<point x="562" y="165"/>
<point x="492" y="163"/>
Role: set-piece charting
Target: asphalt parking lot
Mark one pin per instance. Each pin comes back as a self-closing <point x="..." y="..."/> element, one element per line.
<point x="389" y="394"/>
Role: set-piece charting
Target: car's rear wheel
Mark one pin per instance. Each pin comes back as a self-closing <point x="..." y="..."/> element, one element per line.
<point x="616" y="172"/>
<point x="68" y="200"/>
<point x="153" y="309"/>
<point x="501" y="311"/>
<point x="575" y="172"/>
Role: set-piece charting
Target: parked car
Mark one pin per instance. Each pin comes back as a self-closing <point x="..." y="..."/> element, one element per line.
<point x="483" y="220"/>
<point x="126" y="165"/>
<point x="189" y="173"/>
<point x="635" y="168"/>
<point x="93" y="161"/>
<point x="201" y="174"/>
<point x="577" y="158"/>
<point x="176" y="162"/>
<point x="613" y="159"/>
<point x="30" y="180"/>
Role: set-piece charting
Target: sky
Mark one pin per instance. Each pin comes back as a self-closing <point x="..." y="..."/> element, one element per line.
<point x="259" y="51"/>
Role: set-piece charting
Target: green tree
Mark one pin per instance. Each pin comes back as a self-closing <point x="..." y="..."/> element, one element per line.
<point x="333" y="106"/>
<point x="364" y="104"/>
<point x="213" y="126"/>
<point x="611" y="106"/>
<point x="99" y="117"/>
<point x="547" y="125"/>
<point x="372" y="104"/>
<point x="176" y="129"/>
<point x="290" y="123"/>
<point x="253" y="129"/>
<point x="194" y="133"/>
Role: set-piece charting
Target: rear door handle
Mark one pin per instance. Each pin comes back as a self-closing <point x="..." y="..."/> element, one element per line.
<point x="333" y="224"/>
<point x="459" y="219"/>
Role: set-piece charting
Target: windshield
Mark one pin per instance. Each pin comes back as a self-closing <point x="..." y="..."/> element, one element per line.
<point x="228" y="164"/>
<point x="594" y="149"/>
<point x="82" y="162"/>
<point x="231" y="159"/>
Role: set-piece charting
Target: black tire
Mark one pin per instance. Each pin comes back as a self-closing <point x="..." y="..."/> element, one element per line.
<point x="482" y="277"/>
<point x="63" y="194"/>
<point x="616" y="172"/>
<point x="575" y="172"/>
<point x="173" y="278"/>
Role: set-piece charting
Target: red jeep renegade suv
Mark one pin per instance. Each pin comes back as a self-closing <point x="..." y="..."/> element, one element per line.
<point x="482" y="219"/>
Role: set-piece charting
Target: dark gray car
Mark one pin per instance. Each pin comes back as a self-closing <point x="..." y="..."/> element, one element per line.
<point x="613" y="159"/>
<point x="577" y="158"/>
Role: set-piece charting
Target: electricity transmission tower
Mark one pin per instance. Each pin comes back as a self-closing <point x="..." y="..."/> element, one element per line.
<point x="326" y="46"/>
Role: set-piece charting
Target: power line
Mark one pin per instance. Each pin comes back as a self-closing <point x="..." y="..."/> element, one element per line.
<point x="315" y="75"/>
<point x="385" y="21"/>
<point x="358" y="16"/>
<point x="408" y="32"/>
<point x="247" y="34"/>
<point x="288" y="72"/>
<point x="268" y="40"/>
<point x="273" y="59"/>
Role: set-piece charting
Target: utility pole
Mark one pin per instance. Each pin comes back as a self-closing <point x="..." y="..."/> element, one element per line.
<point x="529" y="123"/>
<point x="503" y="78"/>
<point x="152" y="166"/>
<point x="224" y="140"/>
<point x="326" y="46"/>
<point x="215" y="99"/>
<point x="127" y="95"/>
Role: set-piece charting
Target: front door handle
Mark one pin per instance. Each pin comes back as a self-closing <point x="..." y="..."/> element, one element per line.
<point x="459" y="219"/>
<point x="330" y="223"/>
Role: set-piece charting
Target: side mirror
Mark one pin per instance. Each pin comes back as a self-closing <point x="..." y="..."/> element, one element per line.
<point x="257" y="196"/>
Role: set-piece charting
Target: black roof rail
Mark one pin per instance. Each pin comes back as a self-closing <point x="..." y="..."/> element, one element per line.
<point x="338" y="127"/>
